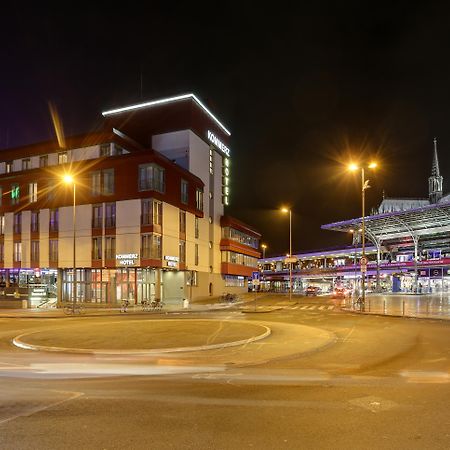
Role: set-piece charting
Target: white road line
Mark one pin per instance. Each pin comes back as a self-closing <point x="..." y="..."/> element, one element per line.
<point x="331" y="307"/>
<point x="43" y="408"/>
<point x="322" y="307"/>
<point x="304" y="307"/>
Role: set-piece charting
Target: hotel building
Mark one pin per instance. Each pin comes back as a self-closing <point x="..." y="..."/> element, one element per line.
<point x="150" y="189"/>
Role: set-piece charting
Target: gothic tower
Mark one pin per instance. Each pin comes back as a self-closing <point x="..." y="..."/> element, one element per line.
<point x="435" y="181"/>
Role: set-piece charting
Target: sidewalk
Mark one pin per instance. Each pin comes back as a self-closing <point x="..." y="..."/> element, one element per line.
<point x="92" y="310"/>
<point x="423" y="306"/>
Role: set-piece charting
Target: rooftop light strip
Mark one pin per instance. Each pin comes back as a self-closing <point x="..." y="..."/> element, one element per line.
<point x="168" y="100"/>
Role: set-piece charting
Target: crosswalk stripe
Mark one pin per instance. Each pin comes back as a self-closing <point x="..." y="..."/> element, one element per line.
<point x="321" y="307"/>
<point x="331" y="307"/>
<point x="304" y="307"/>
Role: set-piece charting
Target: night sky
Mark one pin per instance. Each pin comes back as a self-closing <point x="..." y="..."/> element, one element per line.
<point x="302" y="90"/>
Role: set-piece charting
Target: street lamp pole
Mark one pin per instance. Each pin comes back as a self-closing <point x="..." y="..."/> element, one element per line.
<point x="290" y="254"/>
<point x="69" y="179"/>
<point x="364" y="186"/>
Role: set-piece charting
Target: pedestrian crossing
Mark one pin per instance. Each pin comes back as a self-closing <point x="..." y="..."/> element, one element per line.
<point x="313" y="307"/>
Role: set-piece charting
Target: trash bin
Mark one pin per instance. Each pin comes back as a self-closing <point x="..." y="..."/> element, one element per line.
<point x="186" y="303"/>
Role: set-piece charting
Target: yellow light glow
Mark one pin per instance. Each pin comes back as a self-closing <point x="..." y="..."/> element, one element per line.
<point x="351" y="230"/>
<point x="284" y="210"/>
<point x="68" y="179"/>
<point x="352" y="167"/>
<point x="263" y="246"/>
<point x="373" y="165"/>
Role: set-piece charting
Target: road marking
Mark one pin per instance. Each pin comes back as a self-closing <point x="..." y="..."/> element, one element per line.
<point x="322" y="307"/>
<point x="43" y="408"/>
<point x="331" y="307"/>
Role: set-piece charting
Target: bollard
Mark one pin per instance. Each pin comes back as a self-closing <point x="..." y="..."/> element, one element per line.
<point x="403" y="308"/>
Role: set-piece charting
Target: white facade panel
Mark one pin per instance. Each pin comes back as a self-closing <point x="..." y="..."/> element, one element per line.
<point x="128" y="226"/>
<point x="79" y="154"/>
<point x="26" y="234"/>
<point x="44" y="221"/>
<point x="8" y="256"/>
<point x="83" y="236"/>
<point x="171" y="231"/>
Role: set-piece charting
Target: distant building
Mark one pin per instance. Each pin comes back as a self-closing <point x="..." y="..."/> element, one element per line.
<point x="435" y="192"/>
<point x="151" y="189"/>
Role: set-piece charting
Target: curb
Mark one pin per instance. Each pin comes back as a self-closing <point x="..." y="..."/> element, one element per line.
<point x="19" y="343"/>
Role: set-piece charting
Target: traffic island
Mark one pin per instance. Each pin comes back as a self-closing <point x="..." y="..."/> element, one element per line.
<point x="144" y="336"/>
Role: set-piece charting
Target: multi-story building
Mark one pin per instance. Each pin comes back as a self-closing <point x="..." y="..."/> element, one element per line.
<point x="150" y="191"/>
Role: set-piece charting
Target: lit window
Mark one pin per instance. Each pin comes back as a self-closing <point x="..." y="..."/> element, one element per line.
<point x="8" y="167"/>
<point x="196" y="227"/>
<point x="110" y="215"/>
<point x="199" y="199"/>
<point x="54" y="220"/>
<point x="151" y="246"/>
<point x="196" y="255"/>
<point x="182" y="252"/>
<point x="110" y="247"/>
<point x="17" y="251"/>
<point x="53" y="250"/>
<point x="15" y="194"/>
<point x="182" y="221"/>
<point x="97" y="248"/>
<point x="32" y="192"/>
<point x="151" y="178"/>
<point x="62" y="157"/>
<point x="97" y="216"/>
<point x="35" y="251"/>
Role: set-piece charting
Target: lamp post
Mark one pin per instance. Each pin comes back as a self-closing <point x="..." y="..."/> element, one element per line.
<point x="364" y="185"/>
<point x="264" y="246"/>
<point x="288" y="210"/>
<point x="68" y="179"/>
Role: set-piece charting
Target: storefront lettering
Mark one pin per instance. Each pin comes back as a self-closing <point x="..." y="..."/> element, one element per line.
<point x="218" y="143"/>
<point x="127" y="259"/>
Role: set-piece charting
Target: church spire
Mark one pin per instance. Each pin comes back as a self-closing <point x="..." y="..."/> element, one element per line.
<point x="435" y="167"/>
<point x="435" y="181"/>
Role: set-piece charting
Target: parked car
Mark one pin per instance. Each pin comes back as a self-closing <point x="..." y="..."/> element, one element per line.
<point x="313" y="290"/>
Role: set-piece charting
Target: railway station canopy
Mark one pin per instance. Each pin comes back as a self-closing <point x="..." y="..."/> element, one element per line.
<point x="428" y="223"/>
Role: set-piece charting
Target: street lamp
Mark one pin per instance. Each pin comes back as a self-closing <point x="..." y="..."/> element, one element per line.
<point x="364" y="185"/>
<point x="264" y="246"/>
<point x="69" y="179"/>
<point x="288" y="210"/>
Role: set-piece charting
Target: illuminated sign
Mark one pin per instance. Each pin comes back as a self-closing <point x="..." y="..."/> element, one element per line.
<point x="127" y="259"/>
<point x="226" y="181"/>
<point x="171" y="261"/>
<point x="218" y="143"/>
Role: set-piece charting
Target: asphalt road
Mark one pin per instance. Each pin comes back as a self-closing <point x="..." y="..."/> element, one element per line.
<point x="381" y="382"/>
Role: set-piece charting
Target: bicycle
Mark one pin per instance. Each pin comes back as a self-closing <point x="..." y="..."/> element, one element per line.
<point x="157" y="304"/>
<point x="73" y="309"/>
<point x="229" y="298"/>
<point x="124" y="306"/>
<point x="145" y="305"/>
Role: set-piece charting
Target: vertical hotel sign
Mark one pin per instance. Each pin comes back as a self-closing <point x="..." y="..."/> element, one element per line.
<point x="225" y="166"/>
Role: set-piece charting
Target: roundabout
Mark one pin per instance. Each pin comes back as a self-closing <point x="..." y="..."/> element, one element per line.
<point x="144" y="337"/>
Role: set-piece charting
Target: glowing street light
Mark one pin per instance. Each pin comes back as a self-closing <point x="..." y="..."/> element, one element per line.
<point x="288" y="210"/>
<point x="70" y="180"/>
<point x="364" y="185"/>
<point x="264" y="246"/>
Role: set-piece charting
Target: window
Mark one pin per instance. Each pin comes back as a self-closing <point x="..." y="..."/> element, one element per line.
<point x="2" y="224"/>
<point x="151" y="247"/>
<point x="110" y="247"/>
<point x="151" y="177"/>
<point x="32" y="192"/>
<point x="97" y="216"/>
<point x="196" y="227"/>
<point x="199" y="199"/>
<point x="34" y="221"/>
<point x="182" y="221"/>
<point x="234" y="281"/>
<point x="105" y="150"/>
<point x="96" y="183"/>
<point x="108" y="181"/>
<point x="17" y="223"/>
<point x="8" y="166"/>
<point x="54" y="219"/>
<point x="35" y="251"/>
<point x="43" y="161"/>
<point x="196" y="255"/>
<point x="151" y="212"/>
<point x="53" y="250"/>
<point x="110" y="215"/>
<point x="17" y="251"/>
<point x="26" y="164"/>
<point x="102" y="182"/>
<point x="184" y="191"/>
<point x="97" y="248"/>
<point x="62" y="157"/>
<point x="183" y="252"/>
<point x="15" y="194"/>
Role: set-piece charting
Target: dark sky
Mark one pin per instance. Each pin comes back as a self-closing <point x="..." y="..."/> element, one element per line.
<point x="302" y="90"/>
